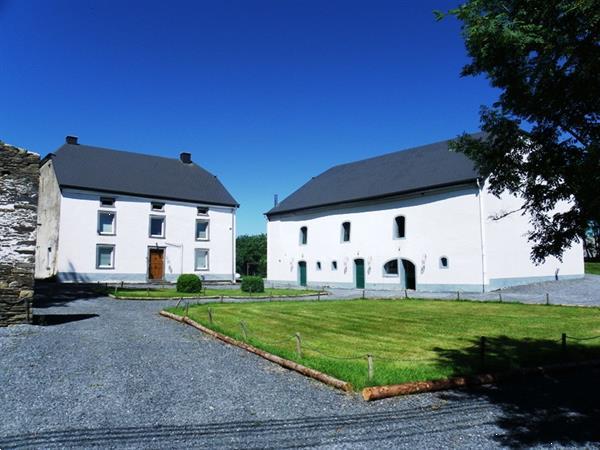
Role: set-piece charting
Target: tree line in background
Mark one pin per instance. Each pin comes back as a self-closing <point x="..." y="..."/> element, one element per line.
<point x="251" y="255"/>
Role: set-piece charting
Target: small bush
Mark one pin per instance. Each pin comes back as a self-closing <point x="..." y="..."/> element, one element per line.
<point x="189" y="282"/>
<point x="253" y="284"/>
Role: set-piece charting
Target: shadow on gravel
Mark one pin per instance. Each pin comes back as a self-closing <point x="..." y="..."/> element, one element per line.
<point x="535" y="410"/>
<point x="59" y="319"/>
<point x="48" y="294"/>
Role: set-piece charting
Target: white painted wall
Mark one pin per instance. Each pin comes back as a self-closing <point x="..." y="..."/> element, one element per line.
<point x="79" y="236"/>
<point x="444" y="223"/>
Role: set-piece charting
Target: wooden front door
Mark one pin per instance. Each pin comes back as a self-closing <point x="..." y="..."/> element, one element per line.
<point x="156" y="263"/>
<point x="359" y="269"/>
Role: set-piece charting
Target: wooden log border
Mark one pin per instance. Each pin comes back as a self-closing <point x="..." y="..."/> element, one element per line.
<point x="393" y="390"/>
<point x="312" y="373"/>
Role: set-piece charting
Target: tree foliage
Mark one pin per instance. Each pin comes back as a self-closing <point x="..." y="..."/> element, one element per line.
<point x="251" y="254"/>
<point x="543" y="133"/>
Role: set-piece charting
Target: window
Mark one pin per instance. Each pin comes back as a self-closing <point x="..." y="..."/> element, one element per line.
<point x="106" y="222"/>
<point x="303" y="235"/>
<point x="201" y="259"/>
<point x="202" y="211"/>
<point x="318" y="265"/>
<point x="346" y="232"/>
<point x="105" y="257"/>
<point x="202" y="230"/>
<point x="391" y="267"/>
<point x="107" y="202"/>
<point x="400" y="227"/>
<point x="444" y="262"/>
<point x="157" y="206"/>
<point x="333" y="265"/>
<point x="157" y="226"/>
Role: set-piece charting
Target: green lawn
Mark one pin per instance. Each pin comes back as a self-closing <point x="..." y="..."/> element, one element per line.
<point x="592" y="267"/>
<point x="411" y="340"/>
<point x="143" y="293"/>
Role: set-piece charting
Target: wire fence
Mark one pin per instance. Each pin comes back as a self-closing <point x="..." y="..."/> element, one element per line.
<point x="485" y="351"/>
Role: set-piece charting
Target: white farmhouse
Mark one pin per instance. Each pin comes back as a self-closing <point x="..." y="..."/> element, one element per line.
<point x="108" y="215"/>
<point x="419" y="219"/>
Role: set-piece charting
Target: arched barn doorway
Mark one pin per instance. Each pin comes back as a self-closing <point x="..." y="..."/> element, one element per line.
<point x="409" y="274"/>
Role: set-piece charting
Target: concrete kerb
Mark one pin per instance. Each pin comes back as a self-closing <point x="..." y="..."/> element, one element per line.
<point x="312" y="373"/>
<point x="219" y="297"/>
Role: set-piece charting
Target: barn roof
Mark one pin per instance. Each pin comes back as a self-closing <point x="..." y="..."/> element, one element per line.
<point x="102" y="169"/>
<point x="401" y="172"/>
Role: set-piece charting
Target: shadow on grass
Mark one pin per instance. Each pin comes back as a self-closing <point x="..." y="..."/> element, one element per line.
<point x="535" y="410"/>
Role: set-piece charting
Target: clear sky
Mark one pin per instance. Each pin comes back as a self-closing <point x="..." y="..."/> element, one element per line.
<point x="263" y="93"/>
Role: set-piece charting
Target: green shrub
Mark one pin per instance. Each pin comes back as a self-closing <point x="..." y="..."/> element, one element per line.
<point x="189" y="282"/>
<point x="253" y="284"/>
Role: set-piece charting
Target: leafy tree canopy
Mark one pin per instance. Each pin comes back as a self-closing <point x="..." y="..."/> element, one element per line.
<point x="251" y="255"/>
<point x="543" y="138"/>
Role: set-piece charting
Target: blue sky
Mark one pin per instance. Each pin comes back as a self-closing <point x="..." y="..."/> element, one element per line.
<point x="263" y="93"/>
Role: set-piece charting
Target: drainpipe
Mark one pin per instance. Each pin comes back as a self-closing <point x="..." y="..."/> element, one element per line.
<point x="233" y="245"/>
<point x="481" y="234"/>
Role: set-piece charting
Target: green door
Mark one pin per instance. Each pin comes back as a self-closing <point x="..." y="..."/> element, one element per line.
<point x="359" y="270"/>
<point x="302" y="269"/>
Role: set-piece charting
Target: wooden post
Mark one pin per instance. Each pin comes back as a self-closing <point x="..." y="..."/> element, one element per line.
<point x="298" y="345"/>
<point x="187" y="307"/>
<point x="482" y="351"/>
<point x="210" y="316"/>
<point x="547" y="298"/>
<point x="147" y="292"/>
<point x="363" y="294"/>
<point x="405" y="293"/>
<point x="221" y="299"/>
<point x="458" y="295"/>
<point x="500" y="296"/>
<point x="370" y="366"/>
<point x="121" y="285"/>
<point x="319" y="296"/>
<point x="563" y="342"/>
<point x="115" y="289"/>
<point x="244" y="330"/>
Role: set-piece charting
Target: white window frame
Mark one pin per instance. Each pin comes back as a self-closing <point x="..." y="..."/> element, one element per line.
<point x="200" y="269"/>
<point x="164" y="227"/>
<point x="112" y="262"/>
<point x="114" y="224"/>
<point x="161" y="209"/>
<point x="207" y="222"/>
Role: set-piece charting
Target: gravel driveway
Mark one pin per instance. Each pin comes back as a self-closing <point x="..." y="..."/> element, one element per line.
<point x="111" y="373"/>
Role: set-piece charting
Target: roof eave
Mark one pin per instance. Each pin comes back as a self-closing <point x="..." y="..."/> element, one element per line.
<point x="272" y="213"/>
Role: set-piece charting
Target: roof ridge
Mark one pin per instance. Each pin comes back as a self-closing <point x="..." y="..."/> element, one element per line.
<point x="95" y="147"/>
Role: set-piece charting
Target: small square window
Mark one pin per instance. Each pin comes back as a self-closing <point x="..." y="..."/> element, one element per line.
<point x="105" y="257"/>
<point x="106" y="222"/>
<point x="202" y="230"/>
<point x="158" y="206"/>
<point x="107" y="202"/>
<point x="157" y="226"/>
<point x="333" y="265"/>
<point x="201" y="259"/>
<point x="202" y="211"/>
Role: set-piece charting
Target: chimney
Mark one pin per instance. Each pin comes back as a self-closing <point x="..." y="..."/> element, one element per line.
<point x="185" y="157"/>
<point x="72" y="140"/>
<point x="275" y="200"/>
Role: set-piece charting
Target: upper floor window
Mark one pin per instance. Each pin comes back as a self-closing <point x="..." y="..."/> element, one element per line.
<point x="157" y="226"/>
<point x="303" y="235"/>
<point x="346" y="232"/>
<point x="158" y="206"/>
<point x="391" y="267"/>
<point x="107" y="202"/>
<point x="106" y="222"/>
<point x="105" y="256"/>
<point x="202" y="211"/>
<point x="444" y="264"/>
<point x="202" y="230"/>
<point x="399" y="227"/>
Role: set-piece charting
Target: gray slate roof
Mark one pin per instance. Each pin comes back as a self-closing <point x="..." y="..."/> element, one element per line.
<point x="102" y="169"/>
<point x="401" y="172"/>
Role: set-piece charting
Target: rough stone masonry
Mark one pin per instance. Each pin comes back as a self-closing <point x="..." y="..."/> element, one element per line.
<point x="19" y="175"/>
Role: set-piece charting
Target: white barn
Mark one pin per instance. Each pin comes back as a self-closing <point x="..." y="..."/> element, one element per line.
<point x="111" y="216"/>
<point x="419" y="219"/>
